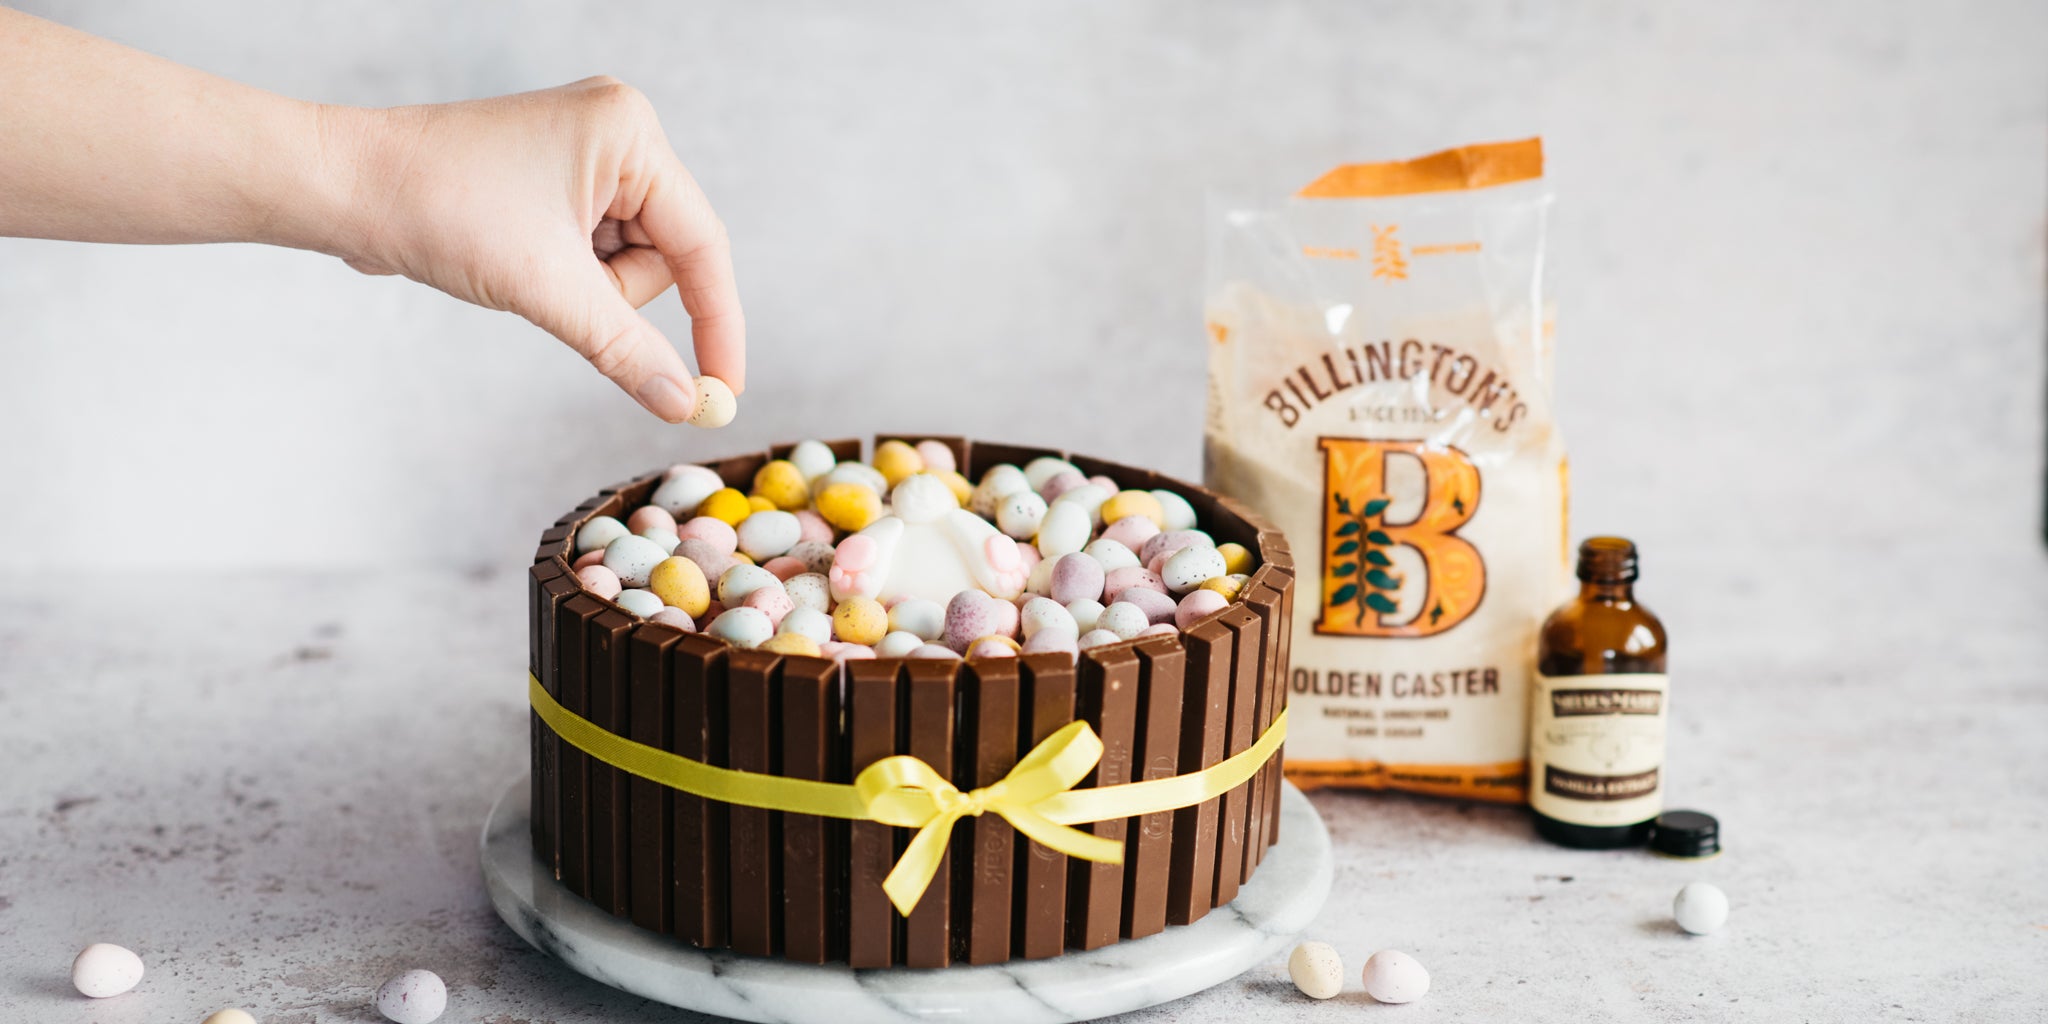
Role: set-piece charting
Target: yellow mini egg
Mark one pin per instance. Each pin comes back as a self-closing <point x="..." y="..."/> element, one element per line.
<point x="726" y="505"/>
<point x="896" y="460"/>
<point x="760" y="503"/>
<point x="963" y="488"/>
<point x="860" y="620"/>
<point x="783" y="484"/>
<point x="1124" y="504"/>
<point x="849" y="506"/>
<point x="1237" y="559"/>
<point x="742" y="558"/>
<point x="792" y="644"/>
<point x="1228" y="586"/>
<point x="680" y="583"/>
<point x="998" y="638"/>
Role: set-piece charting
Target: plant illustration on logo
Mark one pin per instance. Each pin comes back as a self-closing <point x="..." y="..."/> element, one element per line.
<point x="1361" y="589"/>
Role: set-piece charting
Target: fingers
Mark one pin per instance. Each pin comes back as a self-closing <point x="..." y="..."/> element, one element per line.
<point x="591" y="315"/>
<point x="640" y="274"/>
<point x="692" y="241"/>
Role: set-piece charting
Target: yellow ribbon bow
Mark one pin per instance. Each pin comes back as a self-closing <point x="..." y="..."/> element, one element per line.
<point x="907" y="792"/>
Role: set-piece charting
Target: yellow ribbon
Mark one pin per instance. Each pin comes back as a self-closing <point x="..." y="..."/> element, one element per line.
<point x="1037" y="797"/>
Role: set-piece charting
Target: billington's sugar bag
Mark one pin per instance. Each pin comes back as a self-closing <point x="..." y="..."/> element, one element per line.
<point x="1379" y="384"/>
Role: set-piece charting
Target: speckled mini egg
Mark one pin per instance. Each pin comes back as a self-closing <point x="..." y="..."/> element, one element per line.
<point x="1045" y="467"/>
<point x="711" y="561"/>
<point x="1197" y="606"/>
<point x="816" y="555"/>
<point x="683" y="488"/>
<point x="632" y="558"/>
<point x="680" y="583"/>
<point x="1228" y="586"/>
<point x="772" y="601"/>
<point x="792" y="645"/>
<point x="1392" y="976"/>
<point x="1179" y="514"/>
<point x="812" y="527"/>
<point x="840" y="650"/>
<point x="668" y="541"/>
<point x="1158" y="607"/>
<point x="898" y="644"/>
<point x="1125" y="619"/>
<point x="808" y="622"/>
<point x="810" y="590"/>
<point x="783" y="484"/>
<point x="1039" y="580"/>
<point x="104" y="969"/>
<point x="1090" y="498"/>
<point x="650" y="517"/>
<point x="1110" y="554"/>
<point x="1127" y="504"/>
<point x="934" y="651"/>
<point x="1170" y="541"/>
<point x="415" y="997"/>
<point x="1700" y="908"/>
<point x="1076" y="577"/>
<point x="1045" y="613"/>
<point x="741" y="627"/>
<point x="1160" y="629"/>
<point x="1130" y="531"/>
<point x="639" y="602"/>
<point x="860" y="620"/>
<point x="1059" y="484"/>
<point x="1114" y="584"/>
<point x="971" y="615"/>
<point x="1317" y="970"/>
<point x="598" y="532"/>
<point x="1020" y="514"/>
<point x="1053" y="640"/>
<point x="1001" y="481"/>
<point x="937" y="457"/>
<point x="1192" y="566"/>
<point x="672" y="616"/>
<point x="716" y="532"/>
<point x="716" y="404"/>
<point x="600" y="581"/>
<point x="1097" y="638"/>
<point x="992" y="647"/>
<point x="926" y="619"/>
<point x="764" y="535"/>
<point x="813" y="459"/>
<point x="737" y="582"/>
<point x="1087" y="612"/>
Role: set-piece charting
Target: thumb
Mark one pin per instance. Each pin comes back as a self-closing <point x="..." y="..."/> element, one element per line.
<point x="589" y="315"/>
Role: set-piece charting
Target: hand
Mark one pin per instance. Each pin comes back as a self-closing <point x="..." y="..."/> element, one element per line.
<point x="567" y="207"/>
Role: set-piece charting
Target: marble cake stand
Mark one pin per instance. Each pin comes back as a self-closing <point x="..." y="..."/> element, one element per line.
<point x="1270" y="911"/>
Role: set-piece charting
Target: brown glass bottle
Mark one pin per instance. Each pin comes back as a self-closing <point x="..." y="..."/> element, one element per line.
<point x="1596" y="746"/>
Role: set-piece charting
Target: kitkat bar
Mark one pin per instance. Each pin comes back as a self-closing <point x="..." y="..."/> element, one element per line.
<point x="1039" y="920"/>
<point x="991" y="709"/>
<point x="928" y="701"/>
<point x="648" y="801"/>
<point x="752" y="834"/>
<point x="738" y="471"/>
<point x="546" y="795"/>
<point x="1107" y="697"/>
<point x="1148" y="846"/>
<point x="1265" y="603"/>
<point x="697" y="708"/>
<point x="572" y="783"/>
<point x="1205" y="723"/>
<point x="610" y="661"/>
<point x="813" y="848"/>
<point x="871" y="735"/>
<point x="1230" y="831"/>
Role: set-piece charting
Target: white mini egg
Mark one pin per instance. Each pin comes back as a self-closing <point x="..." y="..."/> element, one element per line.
<point x="683" y="488"/>
<point x="1317" y="970"/>
<point x="633" y="558"/>
<point x="808" y="622"/>
<point x="854" y="473"/>
<point x="1089" y="497"/>
<point x="1700" y="908"/>
<point x="1111" y="554"/>
<point x="1123" y="618"/>
<point x="1098" y="638"/>
<point x="640" y="602"/>
<point x="716" y="404"/>
<point x="599" y="532"/>
<point x="231" y="1015"/>
<point x="898" y="644"/>
<point x="1040" y="580"/>
<point x="1179" y="514"/>
<point x="1019" y="514"/>
<point x="1087" y="614"/>
<point x="813" y="459"/>
<point x="1001" y="481"/>
<point x="1065" y="530"/>
<point x="1190" y="567"/>
<point x="667" y="540"/>
<point x="740" y="580"/>
<point x="104" y="969"/>
<point x="809" y="590"/>
<point x="1045" y="467"/>
<point x="1043" y="613"/>
<point x="765" y="535"/>
<point x="415" y="997"/>
<point x="925" y="619"/>
<point x="1392" y="976"/>
<point x="742" y="627"/>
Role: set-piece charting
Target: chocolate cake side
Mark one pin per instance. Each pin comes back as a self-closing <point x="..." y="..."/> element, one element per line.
<point x="774" y="883"/>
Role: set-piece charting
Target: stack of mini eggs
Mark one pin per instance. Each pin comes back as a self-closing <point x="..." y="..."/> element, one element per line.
<point x="1106" y="564"/>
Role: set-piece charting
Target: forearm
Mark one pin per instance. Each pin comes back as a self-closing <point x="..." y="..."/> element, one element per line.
<point x="102" y="143"/>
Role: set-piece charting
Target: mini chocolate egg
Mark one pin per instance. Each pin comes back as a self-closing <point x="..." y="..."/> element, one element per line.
<point x="1006" y="615"/>
<point x="716" y="532"/>
<point x="816" y="555"/>
<point x="1001" y="481"/>
<point x="728" y="505"/>
<point x="765" y="535"/>
<point x="1179" y="514"/>
<point x="1076" y="577"/>
<point x="1171" y="541"/>
<point x="840" y="650"/>
<point x="711" y="561"/>
<point x="1060" y="484"/>
<point x="741" y="627"/>
<point x="737" y="582"/>
<point x="1192" y="566"/>
<point x="856" y="473"/>
<point x="588" y="558"/>
<point x="1160" y="629"/>
<point x="1097" y="638"/>
<point x="860" y="620"/>
<point x="1053" y="640"/>
<point x="937" y="457"/>
<point x="1104" y="482"/>
<point x="633" y="558"/>
<point x="792" y="645"/>
<point x="812" y="527"/>
<point x="1130" y="531"/>
<point x="957" y="483"/>
<point x="1198" y="605"/>
<point x="1019" y="515"/>
<point x="598" y="532"/>
<point x="1114" y="584"/>
<point x="934" y="651"/>
<point x="971" y="615"/>
<point x="772" y="601"/>
<point x="1064" y="530"/>
<point x="898" y="644"/>
<point x="685" y="487"/>
<point x="415" y="997"/>
<point x="810" y="590"/>
<point x="1087" y="612"/>
<point x="1317" y="970"/>
<point x="668" y="541"/>
<point x="716" y="405"/>
<point x="786" y="568"/>
<point x="849" y="506"/>
<point x="673" y="616"/>
<point x="1700" y="908"/>
<point x="639" y="602"/>
<point x="1112" y="555"/>
<point x="916" y="615"/>
<point x="1158" y="607"/>
<point x="600" y="581"/>
<point x="1039" y="579"/>
<point x="1090" y="497"/>
<point x="1228" y="586"/>
<point x="1027" y="553"/>
<point x="781" y="482"/>
<point x="1125" y="504"/>
<point x="757" y="503"/>
<point x="897" y="461"/>
<point x="1045" y="467"/>
<point x="1123" y="618"/>
<point x="650" y="517"/>
<point x="104" y="969"/>
<point x="231" y="1015"/>
<point x="808" y="622"/>
<point x="1045" y="613"/>
<point x="813" y="459"/>
<point x="992" y="647"/>
<point x="1392" y="976"/>
<point x="1236" y="558"/>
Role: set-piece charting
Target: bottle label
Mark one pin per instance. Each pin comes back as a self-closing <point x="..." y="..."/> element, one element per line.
<point x="1596" y="747"/>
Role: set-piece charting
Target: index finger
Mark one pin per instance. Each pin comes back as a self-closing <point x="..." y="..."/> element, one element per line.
<point x="679" y="221"/>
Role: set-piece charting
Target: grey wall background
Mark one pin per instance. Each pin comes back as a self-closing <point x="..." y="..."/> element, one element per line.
<point x="1799" y="253"/>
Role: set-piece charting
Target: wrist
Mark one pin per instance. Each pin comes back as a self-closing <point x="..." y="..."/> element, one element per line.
<point x="325" y="201"/>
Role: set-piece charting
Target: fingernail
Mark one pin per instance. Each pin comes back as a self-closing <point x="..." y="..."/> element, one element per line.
<point x="666" y="398"/>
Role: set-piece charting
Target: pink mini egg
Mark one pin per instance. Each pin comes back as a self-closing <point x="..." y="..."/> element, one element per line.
<point x="971" y="615"/>
<point x="1098" y="638"/>
<point x="595" y="556"/>
<point x="1198" y="605"/>
<point x="1008" y="617"/>
<point x="1029" y="553"/>
<point x="1158" y="607"/>
<point x="772" y="601"/>
<point x="1076" y="577"/>
<point x="1160" y="629"/>
<point x="600" y="581"/>
<point x="1053" y="640"/>
<point x="812" y="527"/>
<point x="672" y="616"/>
<point x="937" y="457"/>
<point x="934" y="651"/>
<point x="707" y="555"/>
<point x="1105" y="483"/>
<point x="712" y="611"/>
<point x="1171" y="541"/>
<point x="784" y="567"/>
<point x="1114" y="584"/>
<point x="716" y="532"/>
<point x="840" y="650"/>
<point x="651" y="517"/>
<point x="1060" y="483"/>
<point x="1131" y="531"/>
<point x="989" y="648"/>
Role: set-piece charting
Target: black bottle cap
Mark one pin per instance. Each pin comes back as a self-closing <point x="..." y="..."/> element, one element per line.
<point x="1685" y="834"/>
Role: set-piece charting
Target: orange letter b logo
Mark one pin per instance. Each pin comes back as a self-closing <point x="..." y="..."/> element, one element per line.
<point x="1364" y="591"/>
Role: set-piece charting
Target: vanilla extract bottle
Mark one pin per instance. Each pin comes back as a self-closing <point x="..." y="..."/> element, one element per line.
<point x="1598" y="709"/>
